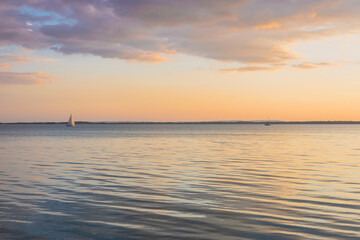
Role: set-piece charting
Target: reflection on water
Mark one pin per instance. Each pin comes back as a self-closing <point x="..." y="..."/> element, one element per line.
<point x="180" y="182"/>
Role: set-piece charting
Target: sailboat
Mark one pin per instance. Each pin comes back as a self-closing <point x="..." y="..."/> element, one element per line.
<point x="267" y="123"/>
<point x="71" y="122"/>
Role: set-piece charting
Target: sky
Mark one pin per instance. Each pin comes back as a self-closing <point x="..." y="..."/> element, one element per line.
<point x="179" y="60"/>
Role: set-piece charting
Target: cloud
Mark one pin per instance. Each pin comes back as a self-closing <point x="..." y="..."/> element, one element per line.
<point x="38" y="78"/>
<point x="312" y="65"/>
<point x="11" y="58"/>
<point x="251" y="69"/>
<point x="250" y="32"/>
<point x="4" y="65"/>
<point x="275" y="67"/>
<point x="269" y="25"/>
<point x="32" y="78"/>
<point x="7" y="60"/>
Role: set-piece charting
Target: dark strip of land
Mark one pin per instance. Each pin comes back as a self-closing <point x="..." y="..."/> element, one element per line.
<point x="200" y="122"/>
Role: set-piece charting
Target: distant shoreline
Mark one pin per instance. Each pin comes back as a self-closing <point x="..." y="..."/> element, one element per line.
<point x="197" y="122"/>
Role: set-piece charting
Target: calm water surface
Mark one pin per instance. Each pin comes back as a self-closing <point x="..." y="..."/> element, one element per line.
<point x="180" y="182"/>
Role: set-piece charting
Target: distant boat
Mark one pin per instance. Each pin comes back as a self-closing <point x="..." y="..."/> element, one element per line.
<point x="267" y="124"/>
<point x="71" y="122"/>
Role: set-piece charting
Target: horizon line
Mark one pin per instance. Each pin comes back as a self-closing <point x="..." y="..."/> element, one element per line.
<point x="199" y="122"/>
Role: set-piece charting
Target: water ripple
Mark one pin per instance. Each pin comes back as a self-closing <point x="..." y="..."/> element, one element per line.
<point x="179" y="182"/>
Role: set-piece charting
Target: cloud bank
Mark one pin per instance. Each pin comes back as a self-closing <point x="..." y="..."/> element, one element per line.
<point x="250" y="32"/>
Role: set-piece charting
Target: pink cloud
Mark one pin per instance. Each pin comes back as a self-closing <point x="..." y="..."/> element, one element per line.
<point x="32" y="78"/>
<point x="4" y="65"/>
<point x="37" y="78"/>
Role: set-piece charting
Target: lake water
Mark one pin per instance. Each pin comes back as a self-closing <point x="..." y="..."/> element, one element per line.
<point x="179" y="181"/>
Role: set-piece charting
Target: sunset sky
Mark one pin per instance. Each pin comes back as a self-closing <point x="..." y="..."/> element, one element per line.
<point x="179" y="60"/>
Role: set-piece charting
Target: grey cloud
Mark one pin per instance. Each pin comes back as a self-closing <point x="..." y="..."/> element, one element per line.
<point x="243" y="31"/>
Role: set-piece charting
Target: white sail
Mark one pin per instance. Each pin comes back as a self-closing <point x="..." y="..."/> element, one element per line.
<point x="71" y="122"/>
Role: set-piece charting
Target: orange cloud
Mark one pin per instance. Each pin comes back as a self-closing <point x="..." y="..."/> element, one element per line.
<point x="26" y="50"/>
<point x="269" y="25"/>
<point x="147" y="57"/>
<point x="4" y="66"/>
<point x="23" y="59"/>
<point x="253" y="68"/>
<point x="32" y="78"/>
<point x="275" y="67"/>
<point x="310" y="65"/>
<point x="7" y="60"/>
<point x="14" y="58"/>
<point x="313" y="15"/>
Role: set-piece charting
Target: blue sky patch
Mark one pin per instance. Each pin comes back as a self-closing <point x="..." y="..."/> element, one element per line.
<point x="41" y="17"/>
